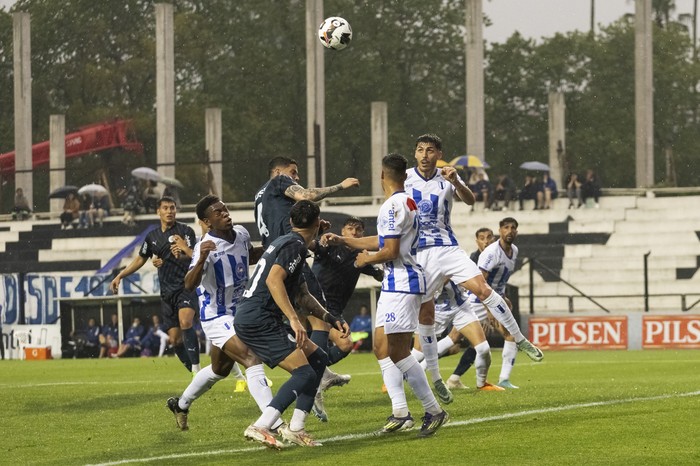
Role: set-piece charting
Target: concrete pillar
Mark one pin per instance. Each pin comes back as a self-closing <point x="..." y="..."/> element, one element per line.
<point x="643" y="95"/>
<point x="212" y="123"/>
<point x="57" y="157"/>
<point x="557" y="136"/>
<point x="315" y="98"/>
<point x="379" y="145"/>
<point x="475" y="78"/>
<point x="23" y="105"/>
<point x="165" y="90"/>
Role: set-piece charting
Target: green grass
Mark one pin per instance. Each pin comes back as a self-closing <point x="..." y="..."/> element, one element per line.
<point x="605" y="407"/>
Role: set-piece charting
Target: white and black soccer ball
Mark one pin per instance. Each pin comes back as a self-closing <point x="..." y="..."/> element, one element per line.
<point x="335" y="33"/>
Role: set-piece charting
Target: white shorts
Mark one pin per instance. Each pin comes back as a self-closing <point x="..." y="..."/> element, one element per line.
<point x="398" y="312"/>
<point x="443" y="262"/>
<point x="477" y="308"/>
<point x="459" y="317"/>
<point x="219" y="330"/>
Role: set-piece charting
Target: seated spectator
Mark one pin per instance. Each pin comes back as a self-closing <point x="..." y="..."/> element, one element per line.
<point x="109" y="337"/>
<point x="21" y="209"/>
<point x="87" y="341"/>
<point x="150" y="198"/>
<point x="71" y="211"/>
<point x="86" y="211"/>
<point x="132" y="204"/>
<point x="590" y="188"/>
<point x="132" y="339"/>
<point x="101" y="208"/>
<point x="483" y="190"/>
<point x="550" y="190"/>
<point x="360" y="328"/>
<point x="532" y="189"/>
<point x="156" y="340"/>
<point x="506" y="191"/>
<point x="573" y="189"/>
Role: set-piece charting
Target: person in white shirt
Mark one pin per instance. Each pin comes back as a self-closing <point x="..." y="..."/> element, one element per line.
<point x="402" y="289"/>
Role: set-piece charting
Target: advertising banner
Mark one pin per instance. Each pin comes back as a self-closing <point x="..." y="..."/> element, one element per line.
<point x="604" y="332"/>
<point x="671" y="332"/>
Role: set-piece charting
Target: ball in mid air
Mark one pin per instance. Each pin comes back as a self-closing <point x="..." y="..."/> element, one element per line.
<point x="335" y="33"/>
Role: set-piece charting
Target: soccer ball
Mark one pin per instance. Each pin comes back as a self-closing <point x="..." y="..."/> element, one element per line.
<point x="335" y="33"/>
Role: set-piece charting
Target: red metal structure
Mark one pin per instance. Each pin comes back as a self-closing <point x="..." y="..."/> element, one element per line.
<point x="88" y="139"/>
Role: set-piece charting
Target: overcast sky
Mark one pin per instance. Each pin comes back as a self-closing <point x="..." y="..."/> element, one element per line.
<point x="541" y="18"/>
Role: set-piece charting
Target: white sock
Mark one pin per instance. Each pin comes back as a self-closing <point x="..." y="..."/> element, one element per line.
<point x="201" y="383"/>
<point x="499" y="309"/>
<point x="482" y="362"/>
<point x="298" y="421"/>
<point x="510" y="351"/>
<point x="163" y="341"/>
<point x="393" y="379"/>
<point x="419" y="384"/>
<point x="444" y="345"/>
<point x="453" y="378"/>
<point x="420" y="357"/>
<point x="257" y="386"/>
<point x="196" y="368"/>
<point x="269" y="416"/>
<point x="236" y="372"/>
<point x="428" y="344"/>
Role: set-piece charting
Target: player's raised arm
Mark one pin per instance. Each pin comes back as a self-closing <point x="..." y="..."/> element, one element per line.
<point x="194" y="275"/>
<point x="462" y="190"/>
<point x="369" y="243"/>
<point x="300" y="193"/>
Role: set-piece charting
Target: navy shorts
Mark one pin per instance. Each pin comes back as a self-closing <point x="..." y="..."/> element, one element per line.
<point x="171" y="304"/>
<point x="271" y="340"/>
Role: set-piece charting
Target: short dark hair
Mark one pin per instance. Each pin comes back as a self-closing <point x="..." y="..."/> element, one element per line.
<point x="394" y="165"/>
<point x="432" y="138"/>
<point x="354" y="221"/>
<point x="165" y="199"/>
<point x="508" y="220"/>
<point x="280" y="162"/>
<point x="204" y="204"/>
<point x="483" y="230"/>
<point x="304" y="214"/>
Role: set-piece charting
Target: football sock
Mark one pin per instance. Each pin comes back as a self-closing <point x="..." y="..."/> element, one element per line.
<point x="510" y="351"/>
<point x="499" y="309"/>
<point x="428" y="344"/>
<point x="257" y="385"/>
<point x="189" y="337"/>
<point x="419" y="384"/>
<point x="444" y="345"/>
<point x="298" y="421"/>
<point x="270" y="417"/>
<point x="163" y="341"/>
<point x="465" y="362"/>
<point x="201" y="383"/>
<point x="482" y="362"/>
<point x="335" y="355"/>
<point x="318" y="360"/>
<point x="420" y="357"/>
<point x="236" y="372"/>
<point x="320" y="337"/>
<point x="393" y="379"/>
<point x="183" y="356"/>
<point x="302" y="379"/>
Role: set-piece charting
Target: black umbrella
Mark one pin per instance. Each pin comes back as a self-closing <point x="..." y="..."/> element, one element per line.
<point x="63" y="191"/>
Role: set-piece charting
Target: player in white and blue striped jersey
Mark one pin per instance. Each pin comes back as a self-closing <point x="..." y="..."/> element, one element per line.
<point x="434" y="190"/>
<point x="219" y="271"/>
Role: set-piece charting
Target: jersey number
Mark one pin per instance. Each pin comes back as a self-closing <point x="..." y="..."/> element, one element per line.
<point x="262" y="228"/>
<point x="256" y="278"/>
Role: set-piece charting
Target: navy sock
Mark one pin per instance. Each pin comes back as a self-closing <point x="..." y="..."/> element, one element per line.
<point x="189" y="337"/>
<point x="335" y="355"/>
<point x="183" y="356"/>
<point x="466" y="361"/>
<point x="318" y="360"/>
<point x="301" y="380"/>
<point x="321" y="339"/>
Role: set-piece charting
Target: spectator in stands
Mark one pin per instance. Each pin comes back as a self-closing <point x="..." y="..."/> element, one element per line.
<point x="360" y="328"/>
<point x="132" y="339"/>
<point x="531" y="190"/>
<point x="483" y="190"/>
<point x="21" y="209"/>
<point x="86" y="211"/>
<point x="109" y="337"/>
<point x="505" y="191"/>
<point x="101" y="208"/>
<point x="550" y="190"/>
<point x="132" y="203"/>
<point x="150" y="197"/>
<point x="156" y="340"/>
<point x="590" y="188"/>
<point x="87" y="340"/>
<point x="71" y="211"/>
<point x="573" y="190"/>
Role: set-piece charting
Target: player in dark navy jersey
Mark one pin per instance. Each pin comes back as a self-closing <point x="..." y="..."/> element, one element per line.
<point x="172" y="243"/>
<point x="276" y="282"/>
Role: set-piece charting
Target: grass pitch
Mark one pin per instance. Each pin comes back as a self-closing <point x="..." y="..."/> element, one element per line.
<point x="595" y="407"/>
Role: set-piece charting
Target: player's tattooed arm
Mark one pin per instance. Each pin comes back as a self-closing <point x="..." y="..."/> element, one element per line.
<point x="310" y="305"/>
<point x="300" y="193"/>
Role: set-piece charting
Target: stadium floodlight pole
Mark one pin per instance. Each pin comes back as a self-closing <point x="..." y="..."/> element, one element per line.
<point x="643" y="95"/>
<point x="315" y="98"/>
<point x="474" y="63"/>
<point x="21" y="25"/>
<point x="57" y="157"/>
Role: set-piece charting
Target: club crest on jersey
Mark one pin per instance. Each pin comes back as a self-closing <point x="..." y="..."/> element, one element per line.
<point x="241" y="270"/>
<point x="425" y="206"/>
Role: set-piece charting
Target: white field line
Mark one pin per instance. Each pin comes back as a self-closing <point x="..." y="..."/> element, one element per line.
<point x="451" y="423"/>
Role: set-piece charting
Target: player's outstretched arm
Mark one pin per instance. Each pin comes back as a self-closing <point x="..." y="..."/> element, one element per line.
<point x="389" y="252"/>
<point x="300" y="193"/>
<point x="136" y="264"/>
<point x="370" y="243"/>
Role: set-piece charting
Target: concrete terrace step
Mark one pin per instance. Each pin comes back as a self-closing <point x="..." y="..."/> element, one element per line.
<point x="651" y="238"/>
